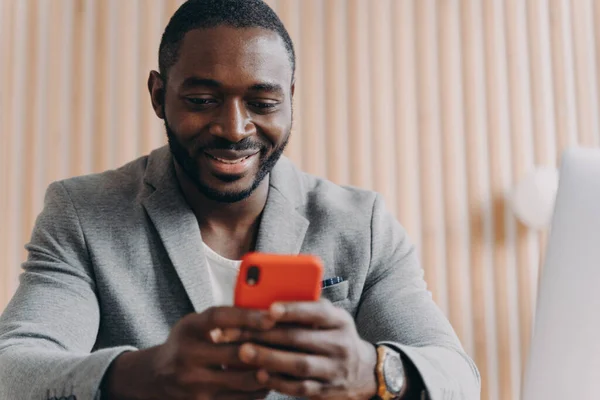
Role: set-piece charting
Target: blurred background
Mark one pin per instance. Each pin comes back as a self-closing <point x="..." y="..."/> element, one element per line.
<point x="442" y="106"/>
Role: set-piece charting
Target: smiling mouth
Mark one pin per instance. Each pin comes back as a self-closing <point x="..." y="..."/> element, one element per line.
<point x="225" y="161"/>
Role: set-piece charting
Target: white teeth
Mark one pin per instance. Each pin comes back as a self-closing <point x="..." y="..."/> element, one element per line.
<point x="239" y="160"/>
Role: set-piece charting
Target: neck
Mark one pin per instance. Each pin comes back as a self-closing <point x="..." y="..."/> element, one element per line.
<point x="230" y="216"/>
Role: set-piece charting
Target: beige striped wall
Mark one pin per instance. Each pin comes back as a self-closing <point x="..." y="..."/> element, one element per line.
<point x="440" y="105"/>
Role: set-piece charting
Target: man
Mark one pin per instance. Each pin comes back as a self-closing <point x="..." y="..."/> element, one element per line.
<point x="126" y="293"/>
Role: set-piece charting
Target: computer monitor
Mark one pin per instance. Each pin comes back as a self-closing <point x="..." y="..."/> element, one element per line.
<point x="564" y="358"/>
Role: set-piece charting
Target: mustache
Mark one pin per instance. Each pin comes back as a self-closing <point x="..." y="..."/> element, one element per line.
<point x="218" y="143"/>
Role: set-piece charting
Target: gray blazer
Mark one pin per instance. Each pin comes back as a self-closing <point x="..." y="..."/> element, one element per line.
<point x="115" y="260"/>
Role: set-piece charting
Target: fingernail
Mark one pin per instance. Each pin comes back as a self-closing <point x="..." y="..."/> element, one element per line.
<point x="267" y="321"/>
<point x="247" y="353"/>
<point x="262" y="376"/>
<point x="277" y="310"/>
<point x="231" y="335"/>
<point x="216" y="335"/>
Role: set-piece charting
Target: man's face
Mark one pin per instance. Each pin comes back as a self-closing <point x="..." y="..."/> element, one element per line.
<point x="228" y="109"/>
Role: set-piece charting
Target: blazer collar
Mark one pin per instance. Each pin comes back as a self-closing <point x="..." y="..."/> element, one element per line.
<point x="177" y="228"/>
<point x="282" y="228"/>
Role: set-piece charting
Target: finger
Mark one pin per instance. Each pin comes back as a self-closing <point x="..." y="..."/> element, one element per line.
<point x="321" y="314"/>
<point x="233" y="381"/>
<point x="261" y="394"/>
<point x="217" y="355"/>
<point x="198" y="379"/>
<point x="326" y="342"/>
<point x="295" y="364"/>
<point x="229" y="335"/>
<point x="291" y="387"/>
<point x="227" y="317"/>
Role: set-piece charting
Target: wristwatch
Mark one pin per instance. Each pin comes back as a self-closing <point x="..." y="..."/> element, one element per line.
<point x="390" y="373"/>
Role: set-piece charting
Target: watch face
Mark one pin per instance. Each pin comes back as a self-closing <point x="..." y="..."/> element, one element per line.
<point x="393" y="372"/>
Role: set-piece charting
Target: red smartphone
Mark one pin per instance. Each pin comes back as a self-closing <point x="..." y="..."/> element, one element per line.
<point x="267" y="278"/>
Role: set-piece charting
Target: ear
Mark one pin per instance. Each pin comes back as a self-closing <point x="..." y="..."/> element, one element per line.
<point x="156" y="87"/>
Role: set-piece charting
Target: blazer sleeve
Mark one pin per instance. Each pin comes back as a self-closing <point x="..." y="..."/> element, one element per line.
<point x="397" y="309"/>
<point x="48" y="330"/>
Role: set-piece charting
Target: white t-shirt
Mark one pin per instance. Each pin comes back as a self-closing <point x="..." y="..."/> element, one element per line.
<point x="223" y="273"/>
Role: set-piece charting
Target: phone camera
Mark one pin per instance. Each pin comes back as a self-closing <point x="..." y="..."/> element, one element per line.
<point x="252" y="275"/>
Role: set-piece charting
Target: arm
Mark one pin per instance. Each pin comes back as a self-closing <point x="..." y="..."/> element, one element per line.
<point x="49" y="328"/>
<point x="397" y="310"/>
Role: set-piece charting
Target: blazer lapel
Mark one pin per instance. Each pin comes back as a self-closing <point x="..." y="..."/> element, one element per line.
<point x="178" y="229"/>
<point x="282" y="228"/>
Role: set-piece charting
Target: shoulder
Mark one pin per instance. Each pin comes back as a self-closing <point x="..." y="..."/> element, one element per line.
<point x="348" y="211"/>
<point x="119" y="179"/>
<point x="113" y="186"/>
<point x="321" y="200"/>
<point x="327" y="199"/>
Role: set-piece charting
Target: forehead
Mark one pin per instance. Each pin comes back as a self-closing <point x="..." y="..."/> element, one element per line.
<point x="233" y="56"/>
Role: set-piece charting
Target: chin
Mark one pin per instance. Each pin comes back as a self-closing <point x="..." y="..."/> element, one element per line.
<point x="228" y="197"/>
<point x="232" y="192"/>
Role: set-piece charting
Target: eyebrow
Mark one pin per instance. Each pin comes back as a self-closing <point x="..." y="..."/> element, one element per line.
<point x="267" y="87"/>
<point x="194" y="81"/>
<point x="214" y="84"/>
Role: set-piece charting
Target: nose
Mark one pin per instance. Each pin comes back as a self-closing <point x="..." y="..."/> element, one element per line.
<point x="233" y="122"/>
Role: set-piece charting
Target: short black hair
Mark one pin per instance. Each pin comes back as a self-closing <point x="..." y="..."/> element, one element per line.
<point x="198" y="14"/>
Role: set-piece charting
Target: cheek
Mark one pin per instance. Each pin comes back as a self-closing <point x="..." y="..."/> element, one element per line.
<point x="277" y="129"/>
<point x="274" y="135"/>
<point x="186" y="125"/>
<point x="191" y="124"/>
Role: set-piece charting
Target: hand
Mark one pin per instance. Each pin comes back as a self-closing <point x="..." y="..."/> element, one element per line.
<point x="191" y="364"/>
<point x="320" y="356"/>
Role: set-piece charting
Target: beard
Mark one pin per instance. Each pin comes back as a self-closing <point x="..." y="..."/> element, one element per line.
<point x="185" y="158"/>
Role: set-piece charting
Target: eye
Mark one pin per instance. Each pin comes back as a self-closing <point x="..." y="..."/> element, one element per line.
<point x="262" y="106"/>
<point x="201" y="101"/>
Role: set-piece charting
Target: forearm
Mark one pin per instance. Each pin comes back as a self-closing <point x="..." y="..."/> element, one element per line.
<point x="130" y="377"/>
<point x="28" y="371"/>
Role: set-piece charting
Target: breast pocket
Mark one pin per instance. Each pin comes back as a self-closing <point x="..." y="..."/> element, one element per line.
<point x="337" y="292"/>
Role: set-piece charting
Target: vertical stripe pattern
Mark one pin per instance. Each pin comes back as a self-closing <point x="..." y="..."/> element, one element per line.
<point x="440" y="105"/>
